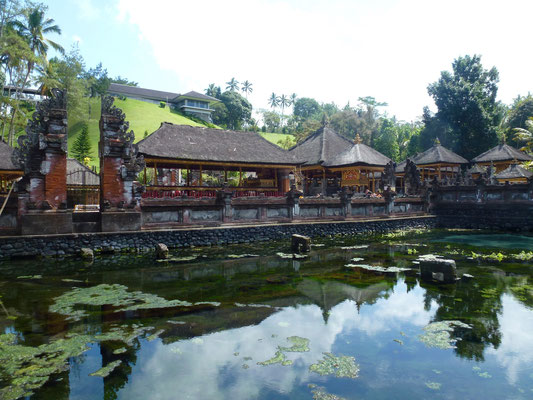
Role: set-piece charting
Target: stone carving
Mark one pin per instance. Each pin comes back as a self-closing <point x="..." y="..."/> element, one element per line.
<point x="119" y="159"/>
<point x="47" y="130"/>
<point x="42" y="153"/>
<point x="413" y="184"/>
<point x="388" y="177"/>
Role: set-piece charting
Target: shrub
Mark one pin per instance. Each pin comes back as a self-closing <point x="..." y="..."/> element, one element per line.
<point x="162" y="104"/>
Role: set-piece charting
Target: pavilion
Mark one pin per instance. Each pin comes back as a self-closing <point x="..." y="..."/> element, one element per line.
<point x="502" y="156"/>
<point x="436" y="161"/>
<point x="196" y="161"/>
<point x="514" y="174"/>
<point x="8" y="171"/>
<point x="330" y="161"/>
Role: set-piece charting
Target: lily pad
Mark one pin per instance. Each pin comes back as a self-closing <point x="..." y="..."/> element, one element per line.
<point x="357" y="246"/>
<point x="105" y="371"/>
<point x="299" y="344"/>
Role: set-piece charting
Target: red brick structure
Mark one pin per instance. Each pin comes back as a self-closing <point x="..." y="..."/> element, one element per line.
<point x="119" y="166"/>
<point x="42" y="154"/>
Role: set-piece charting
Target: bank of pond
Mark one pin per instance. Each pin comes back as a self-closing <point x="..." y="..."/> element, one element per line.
<point x="349" y="320"/>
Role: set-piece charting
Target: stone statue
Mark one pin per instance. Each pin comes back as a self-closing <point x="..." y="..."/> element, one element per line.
<point x="388" y="177"/>
<point x="412" y="181"/>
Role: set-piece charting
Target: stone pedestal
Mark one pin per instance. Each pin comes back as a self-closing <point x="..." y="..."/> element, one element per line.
<point x="438" y="270"/>
<point x="119" y="221"/>
<point x="46" y="223"/>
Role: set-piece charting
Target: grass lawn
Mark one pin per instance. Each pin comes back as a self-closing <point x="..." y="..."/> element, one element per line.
<point x="276" y="137"/>
<point x="141" y="115"/>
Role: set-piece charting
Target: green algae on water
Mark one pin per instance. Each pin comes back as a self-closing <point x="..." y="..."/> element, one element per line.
<point x="279" y="358"/>
<point x="105" y="371"/>
<point x="120" y="350"/>
<point x="377" y="268"/>
<point x="438" y="334"/>
<point x="155" y="335"/>
<point x="320" y="394"/>
<point x="341" y="366"/>
<point x="433" y="385"/>
<point x="116" y="295"/>
<point x="299" y="345"/>
<point x="285" y="255"/>
<point x="242" y="255"/>
<point x="30" y="277"/>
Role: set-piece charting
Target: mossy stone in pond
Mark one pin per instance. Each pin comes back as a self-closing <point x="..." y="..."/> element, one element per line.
<point x="341" y="366"/>
<point x="105" y="294"/>
<point x="438" y="334"/>
<point x="321" y="394"/>
<point x="105" y="371"/>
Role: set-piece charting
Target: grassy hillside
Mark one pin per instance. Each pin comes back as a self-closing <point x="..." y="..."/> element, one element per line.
<point x="141" y="115"/>
<point x="276" y="137"/>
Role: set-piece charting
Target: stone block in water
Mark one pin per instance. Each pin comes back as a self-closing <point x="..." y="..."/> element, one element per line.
<point x="86" y="253"/>
<point x="161" y="251"/>
<point x="300" y="244"/>
<point x="439" y="270"/>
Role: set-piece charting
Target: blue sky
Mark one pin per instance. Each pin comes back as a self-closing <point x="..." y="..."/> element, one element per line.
<point x="336" y="50"/>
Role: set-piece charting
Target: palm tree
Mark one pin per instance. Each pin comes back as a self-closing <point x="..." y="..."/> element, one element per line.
<point x="32" y="29"/>
<point x="292" y="99"/>
<point x="233" y="85"/>
<point x="273" y="100"/>
<point x="526" y="135"/>
<point x="212" y="90"/>
<point x="283" y="102"/>
<point x="247" y="88"/>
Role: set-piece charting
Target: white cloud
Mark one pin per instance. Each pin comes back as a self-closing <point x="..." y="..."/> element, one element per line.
<point x="336" y="50"/>
<point x="88" y="10"/>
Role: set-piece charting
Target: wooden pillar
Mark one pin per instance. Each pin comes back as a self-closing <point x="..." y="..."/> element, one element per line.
<point x="275" y="178"/>
<point x="225" y="175"/>
<point x="188" y="176"/>
<point x="156" y="183"/>
<point x="438" y="170"/>
<point x="324" y="182"/>
<point x="373" y="182"/>
<point x="240" y="176"/>
<point x="145" y="175"/>
<point x="200" y="179"/>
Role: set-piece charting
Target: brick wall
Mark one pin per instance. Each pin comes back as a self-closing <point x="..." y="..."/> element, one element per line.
<point x="111" y="186"/>
<point x="56" y="179"/>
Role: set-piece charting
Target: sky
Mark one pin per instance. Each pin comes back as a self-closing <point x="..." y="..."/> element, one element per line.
<point x="333" y="51"/>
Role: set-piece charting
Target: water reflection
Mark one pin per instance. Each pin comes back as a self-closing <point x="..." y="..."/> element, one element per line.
<point x="211" y="352"/>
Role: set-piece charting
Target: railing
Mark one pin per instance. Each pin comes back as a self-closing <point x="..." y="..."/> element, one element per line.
<point x="158" y="192"/>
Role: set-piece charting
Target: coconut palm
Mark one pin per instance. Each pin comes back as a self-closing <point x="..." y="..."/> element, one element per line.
<point x="246" y="88"/>
<point x="293" y="99"/>
<point x="526" y="135"/>
<point x="283" y="101"/>
<point x="233" y="85"/>
<point x="212" y="90"/>
<point x="273" y="100"/>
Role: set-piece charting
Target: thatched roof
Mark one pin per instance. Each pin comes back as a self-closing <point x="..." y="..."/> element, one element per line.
<point x="400" y="167"/>
<point x="514" y="171"/>
<point x="502" y="152"/>
<point x="320" y="147"/>
<point x="476" y="169"/>
<point x="438" y="155"/>
<point x="79" y="174"/>
<point x="5" y="158"/>
<point x="359" y="154"/>
<point x="184" y="142"/>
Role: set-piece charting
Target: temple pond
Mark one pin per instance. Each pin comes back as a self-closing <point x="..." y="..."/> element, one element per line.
<point x="351" y="320"/>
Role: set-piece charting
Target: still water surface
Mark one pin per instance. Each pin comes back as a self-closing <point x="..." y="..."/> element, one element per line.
<point x="228" y="337"/>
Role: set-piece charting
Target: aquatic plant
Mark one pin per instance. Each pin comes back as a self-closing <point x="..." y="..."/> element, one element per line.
<point x="320" y="394"/>
<point x="285" y="255"/>
<point x="120" y="350"/>
<point x="377" y="268"/>
<point x="28" y="368"/>
<point x="299" y="344"/>
<point x="242" y="255"/>
<point x="279" y="358"/>
<point x="341" y="366"/>
<point x="433" y="385"/>
<point x="105" y="371"/>
<point x="30" y="277"/>
<point x="438" y="334"/>
<point x="116" y="295"/>
<point x="155" y="335"/>
<point x="357" y="259"/>
<point x="357" y="246"/>
<point x="412" y="251"/>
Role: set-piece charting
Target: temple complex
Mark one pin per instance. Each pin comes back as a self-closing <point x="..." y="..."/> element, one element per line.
<point x="501" y="157"/>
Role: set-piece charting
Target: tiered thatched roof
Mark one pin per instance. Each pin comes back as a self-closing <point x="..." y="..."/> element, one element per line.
<point x="502" y="152"/>
<point x="514" y="171"/>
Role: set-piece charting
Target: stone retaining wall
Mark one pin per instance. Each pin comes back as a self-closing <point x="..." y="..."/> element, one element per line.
<point x="60" y="245"/>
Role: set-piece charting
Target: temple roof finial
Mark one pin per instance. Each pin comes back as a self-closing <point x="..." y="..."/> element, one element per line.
<point x="437" y="142"/>
<point x="357" y="139"/>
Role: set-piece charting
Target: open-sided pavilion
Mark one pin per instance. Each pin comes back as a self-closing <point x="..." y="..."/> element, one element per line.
<point x="182" y="159"/>
<point x="501" y="157"/>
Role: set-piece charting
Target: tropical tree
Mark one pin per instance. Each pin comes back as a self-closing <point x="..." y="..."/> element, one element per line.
<point x="247" y="88"/>
<point x="292" y="99"/>
<point x="238" y="109"/>
<point x="213" y="91"/>
<point x="466" y="101"/>
<point x="82" y="146"/>
<point x="526" y="135"/>
<point x="273" y="100"/>
<point x="233" y="85"/>
<point x="283" y="102"/>
<point x="305" y="107"/>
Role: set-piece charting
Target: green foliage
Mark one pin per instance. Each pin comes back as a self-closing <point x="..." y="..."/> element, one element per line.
<point x="386" y="141"/>
<point x="162" y="104"/>
<point x="466" y="102"/>
<point x="286" y="143"/>
<point x="82" y="145"/>
<point x="123" y="81"/>
<point x="97" y="81"/>
<point x="239" y="110"/>
<point x="305" y="107"/>
<point x="271" y="120"/>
